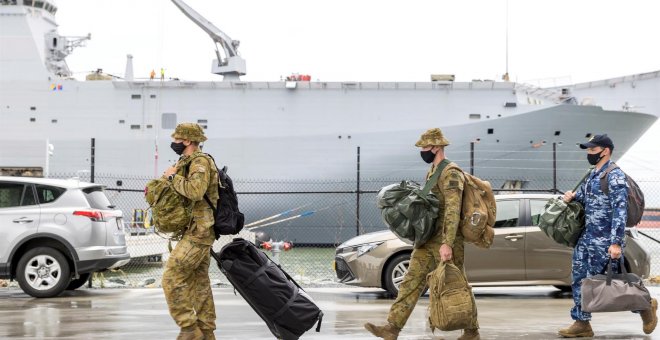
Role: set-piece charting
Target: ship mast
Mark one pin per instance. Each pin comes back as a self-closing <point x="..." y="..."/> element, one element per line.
<point x="232" y="66"/>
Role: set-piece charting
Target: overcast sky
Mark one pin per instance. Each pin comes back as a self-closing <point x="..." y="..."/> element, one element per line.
<point x="550" y="42"/>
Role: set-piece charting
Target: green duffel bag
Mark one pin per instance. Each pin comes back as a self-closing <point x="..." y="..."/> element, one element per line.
<point x="563" y="222"/>
<point x="410" y="211"/>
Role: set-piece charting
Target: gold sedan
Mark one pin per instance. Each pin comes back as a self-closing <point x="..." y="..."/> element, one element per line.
<point x="521" y="253"/>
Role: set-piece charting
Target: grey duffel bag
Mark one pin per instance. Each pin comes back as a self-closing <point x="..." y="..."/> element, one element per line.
<point x="612" y="292"/>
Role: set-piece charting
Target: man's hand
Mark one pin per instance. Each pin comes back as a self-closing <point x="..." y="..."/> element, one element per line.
<point x="614" y="251"/>
<point x="170" y="171"/>
<point x="568" y="196"/>
<point x="445" y="253"/>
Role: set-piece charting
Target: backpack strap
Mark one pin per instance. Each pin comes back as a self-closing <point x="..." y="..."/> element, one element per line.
<point x="434" y="178"/>
<point x="206" y="197"/>
<point x="604" y="187"/>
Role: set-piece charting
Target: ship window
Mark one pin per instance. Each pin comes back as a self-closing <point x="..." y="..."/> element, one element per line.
<point x="136" y="96"/>
<point x="33" y="119"/>
<point x="510" y="104"/>
<point x="121" y="121"/>
<point x="475" y="116"/>
<point x="557" y="133"/>
<point x="202" y="121"/>
<point x="54" y="121"/>
<point x="491" y="131"/>
<point x="135" y="127"/>
<point x="39" y="4"/>
<point x="28" y="2"/>
<point x="149" y="126"/>
<point x="168" y="121"/>
<point x="33" y="108"/>
<point x="152" y="96"/>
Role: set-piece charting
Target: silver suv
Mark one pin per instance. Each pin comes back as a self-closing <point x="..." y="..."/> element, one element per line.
<point x="54" y="233"/>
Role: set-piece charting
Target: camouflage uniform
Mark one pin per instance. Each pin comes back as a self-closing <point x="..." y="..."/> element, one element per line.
<point x="425" y="259"/>
<point x="186" y="278"/>
<point x="605" y="219"/>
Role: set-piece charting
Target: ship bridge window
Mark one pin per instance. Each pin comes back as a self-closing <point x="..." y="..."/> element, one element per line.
<point x="135" y="127"/>
<point x="54" y="121"/>
<point x="491" y="131"/>
<point x="510" y="104"/>
<point x="121" y="121"/>
<point x="8" y="2"/>
<point x="149" y="126"/>
<point x="136" y="96"/>
<point x="168" y="120"/>
<point x="33" y="119"/>
<point x="475" y="116"/>
<point x="152" y="96"/>
<point x="202" y="121"/>
<point x="39" y="4"/>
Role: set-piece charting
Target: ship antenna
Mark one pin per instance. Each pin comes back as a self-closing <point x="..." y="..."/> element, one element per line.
<point x="505" y="77"/>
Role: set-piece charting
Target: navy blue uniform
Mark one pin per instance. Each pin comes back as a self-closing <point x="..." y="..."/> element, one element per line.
<point x="605" y="217"/>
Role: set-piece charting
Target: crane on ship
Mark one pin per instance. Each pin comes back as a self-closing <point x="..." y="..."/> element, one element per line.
<point x="230" y="65"/>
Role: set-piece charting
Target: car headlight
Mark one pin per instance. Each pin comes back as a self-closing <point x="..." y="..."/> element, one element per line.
<point x="365" y="248"/>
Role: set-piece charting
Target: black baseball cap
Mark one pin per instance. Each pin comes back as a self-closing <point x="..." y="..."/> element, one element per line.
<point x="598" y="140"/>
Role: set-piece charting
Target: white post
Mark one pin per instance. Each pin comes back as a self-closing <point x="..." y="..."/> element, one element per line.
<point x="49" y="152"/>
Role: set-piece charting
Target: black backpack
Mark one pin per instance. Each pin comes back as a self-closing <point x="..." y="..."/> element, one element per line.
<point x="228" y="219"/>
<point x="635" y="196"/>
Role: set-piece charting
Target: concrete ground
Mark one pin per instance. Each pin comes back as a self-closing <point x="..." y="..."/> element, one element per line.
<point x="504" y="313"/>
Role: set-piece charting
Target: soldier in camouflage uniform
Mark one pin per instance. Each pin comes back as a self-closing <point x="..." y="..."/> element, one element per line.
<point x="446" y="245"/>
<point x="186" y="278"/>
<point x="604" y="234"/>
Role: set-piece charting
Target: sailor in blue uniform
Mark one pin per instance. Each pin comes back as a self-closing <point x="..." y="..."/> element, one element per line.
<point x="604" y="233"/>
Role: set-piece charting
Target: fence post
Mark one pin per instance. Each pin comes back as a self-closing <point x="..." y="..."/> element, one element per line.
<point x="357" y="196"/>
<point x="93" y="160"/>
<point x="472" y="158"/>
<point x="554" y="167"/>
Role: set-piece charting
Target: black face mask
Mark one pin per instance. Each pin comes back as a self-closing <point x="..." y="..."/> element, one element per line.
<point x="594" y="158"/>
<point x="177" y="147"/>
<point x="428" y="156"/>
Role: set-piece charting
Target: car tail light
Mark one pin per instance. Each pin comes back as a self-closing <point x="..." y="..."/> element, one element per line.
<point x="94" y="215"/>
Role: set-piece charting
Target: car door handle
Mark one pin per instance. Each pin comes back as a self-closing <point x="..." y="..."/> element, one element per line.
<point x="23" y="220"/>
<point x="513" y="237"/>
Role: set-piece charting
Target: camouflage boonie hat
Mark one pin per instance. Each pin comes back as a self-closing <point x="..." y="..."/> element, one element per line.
<point x="189" y="131"/>
<point x="432" y="137"/>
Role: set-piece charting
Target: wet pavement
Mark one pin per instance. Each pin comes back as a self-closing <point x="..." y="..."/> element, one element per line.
<point x="504" y="313"/>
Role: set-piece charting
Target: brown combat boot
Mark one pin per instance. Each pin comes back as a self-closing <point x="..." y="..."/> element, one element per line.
<point x="190" y="333"/>
<point x="579" y="329"/>
<point x="470" y="334"/>
<point x="387" y="332"/>
<point x="650" y="317"/>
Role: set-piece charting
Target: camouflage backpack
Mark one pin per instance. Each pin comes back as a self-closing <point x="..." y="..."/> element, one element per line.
<point x="451" y="303"/>
<point x="478" y="211"/>
<point x="635" y="196"/>
<point x="171" y="211"/>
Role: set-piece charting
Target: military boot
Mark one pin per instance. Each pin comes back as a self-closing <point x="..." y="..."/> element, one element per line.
<point x="387" y="332"/>
<point x="579" y="329"/>
<point x="190" y="333"/>
<point x="470" y="334"/>
<point x="650" y="317"/>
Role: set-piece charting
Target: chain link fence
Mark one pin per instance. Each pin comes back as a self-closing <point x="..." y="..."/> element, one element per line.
<point x="313" y="215"/>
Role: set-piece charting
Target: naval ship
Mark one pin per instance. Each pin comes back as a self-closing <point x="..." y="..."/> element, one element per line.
<point x="294" y="129"/>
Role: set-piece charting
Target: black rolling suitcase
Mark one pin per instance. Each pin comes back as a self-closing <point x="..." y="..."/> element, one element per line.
<point x="271" y="292"/>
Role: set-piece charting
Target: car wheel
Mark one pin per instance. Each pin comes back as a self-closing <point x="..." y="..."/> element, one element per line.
<point x="394" y="273"/>
<point x="79" y="282"/>
<point x="43" y="272"/>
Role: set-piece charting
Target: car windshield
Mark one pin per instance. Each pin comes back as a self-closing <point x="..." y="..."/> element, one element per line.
<point x="96" y="198"/>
